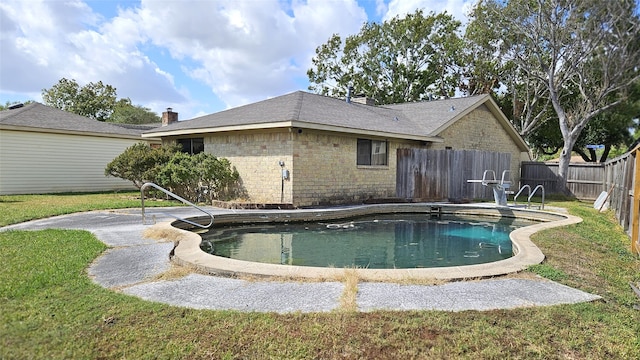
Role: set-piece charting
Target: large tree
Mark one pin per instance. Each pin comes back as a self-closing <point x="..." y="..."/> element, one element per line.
<point x="608" y="131"/>
<point x="93" y="100"/>
<point x="484" y="71"/>
<point x="400" y="60"/>
<point x="580" y="56"/>
<point x="125" y="112"/>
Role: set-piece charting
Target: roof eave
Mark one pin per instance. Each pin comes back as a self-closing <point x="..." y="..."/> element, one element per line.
<point x="293" y="124"/>
<point x="75" y="132"/>
<point x="507" y="124"/>
<point x="376" y="133"/>
<point x="205" y="130"/>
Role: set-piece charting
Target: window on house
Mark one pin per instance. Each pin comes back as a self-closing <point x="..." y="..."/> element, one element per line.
<point x="372" y="152"/>
<point x="192" y="146"/>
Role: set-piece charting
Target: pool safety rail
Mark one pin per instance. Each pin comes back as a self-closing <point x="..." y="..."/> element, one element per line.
<point x="184" y="201"/>
<point x="530" y="194"/>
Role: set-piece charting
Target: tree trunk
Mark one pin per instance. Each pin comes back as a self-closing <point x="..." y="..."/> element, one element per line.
<point x="563" y="167"/>
<point x="605" y="154"/>
<point x="587" y="158"/>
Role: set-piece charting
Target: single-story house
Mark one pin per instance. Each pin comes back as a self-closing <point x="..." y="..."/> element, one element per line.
<point x="47" y="150"/>
<point x="304" y="149"/>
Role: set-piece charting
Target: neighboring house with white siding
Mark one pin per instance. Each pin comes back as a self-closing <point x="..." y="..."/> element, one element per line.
<point x="47" y="150"/>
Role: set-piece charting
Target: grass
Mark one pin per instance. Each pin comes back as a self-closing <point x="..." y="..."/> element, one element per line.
<point x="51" y="309"/>
<point x="19" y="208"/>
<point x="348" y="300"/>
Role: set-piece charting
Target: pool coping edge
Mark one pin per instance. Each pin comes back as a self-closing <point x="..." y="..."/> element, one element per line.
<point x="187" y="250"/>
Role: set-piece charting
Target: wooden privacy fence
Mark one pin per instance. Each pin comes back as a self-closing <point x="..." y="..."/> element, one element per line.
<point x="435" y="175"/>
<point x="584" y="181"/>
<point x="619" y="178"/>
<point x="622" y="183"/>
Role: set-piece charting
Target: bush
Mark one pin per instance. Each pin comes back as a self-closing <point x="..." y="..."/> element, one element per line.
<point x="179" y="176"/>
<point x="218" y="178"/>
<point x="193" y="177"/>
<point x="140" y="163"/>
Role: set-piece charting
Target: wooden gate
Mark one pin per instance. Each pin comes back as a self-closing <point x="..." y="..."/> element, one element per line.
<point x="437" y="175"/>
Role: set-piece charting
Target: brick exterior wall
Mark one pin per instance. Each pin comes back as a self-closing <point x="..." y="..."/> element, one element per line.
<point x="326" y="172"/>
<point x="479" y="130"/>
<point x="256" y="156"/>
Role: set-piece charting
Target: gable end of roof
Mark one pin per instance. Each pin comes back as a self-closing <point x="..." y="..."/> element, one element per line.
<point x="488" y="101"/>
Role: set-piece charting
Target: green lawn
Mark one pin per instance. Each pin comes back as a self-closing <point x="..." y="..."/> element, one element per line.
<point x="51" y="309"/>
<point x="19" y="208"/>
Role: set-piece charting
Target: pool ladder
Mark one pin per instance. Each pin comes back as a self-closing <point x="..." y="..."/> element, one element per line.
<point x="184" y="201"/>
<point x="435" y="211"/>
<point x="530" y="195"/>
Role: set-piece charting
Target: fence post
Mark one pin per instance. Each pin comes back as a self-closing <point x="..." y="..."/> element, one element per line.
<point x="635" y="242"/>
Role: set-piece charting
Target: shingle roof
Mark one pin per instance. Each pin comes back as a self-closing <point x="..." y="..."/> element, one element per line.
<point x="303" y="109"/>
<point x="433" y="116"/>
<point x="419" y="120"/>
<point x="46" y="118"/>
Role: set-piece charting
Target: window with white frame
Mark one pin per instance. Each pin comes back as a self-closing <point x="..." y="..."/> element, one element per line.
<point x="372" y="152"/>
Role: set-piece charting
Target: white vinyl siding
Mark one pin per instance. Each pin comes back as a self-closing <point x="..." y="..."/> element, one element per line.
<point x="34" y="162"/>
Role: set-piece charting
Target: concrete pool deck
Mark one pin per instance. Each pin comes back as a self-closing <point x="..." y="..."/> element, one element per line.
<point x="141" y="267"/>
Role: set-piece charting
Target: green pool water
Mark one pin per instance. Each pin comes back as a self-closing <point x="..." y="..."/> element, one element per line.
<point x="376" y="242"/>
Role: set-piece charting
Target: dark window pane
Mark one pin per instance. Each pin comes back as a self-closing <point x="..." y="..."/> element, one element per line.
<point x="192" y="146"/>
<point x="197" y="145"/>
<point x="186" y="145"/>
<point x="364" y="152"/>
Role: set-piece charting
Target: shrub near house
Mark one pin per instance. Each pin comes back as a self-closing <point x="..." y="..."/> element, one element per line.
<point x="188" y="176"/>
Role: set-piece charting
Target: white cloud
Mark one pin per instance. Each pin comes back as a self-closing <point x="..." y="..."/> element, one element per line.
<point x="457" y="8"/>
<point x="157" y="52"/>
<point x="247" y="50"/>
<point x="381" y="8"/>
<point x="43" y="41"/>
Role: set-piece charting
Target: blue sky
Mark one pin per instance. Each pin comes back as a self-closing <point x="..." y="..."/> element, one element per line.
<point x="196" y="56"/>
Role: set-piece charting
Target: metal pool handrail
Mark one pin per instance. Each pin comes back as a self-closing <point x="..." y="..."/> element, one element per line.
<point x="157" y="187"/>
<point x="534" y="192"/>
<point x="515" y="197"/>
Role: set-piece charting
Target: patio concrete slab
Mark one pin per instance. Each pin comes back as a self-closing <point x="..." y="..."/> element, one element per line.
<point x="210" y="292"/>
<point x="469" y="295"/>
<point x="126" y="266"/>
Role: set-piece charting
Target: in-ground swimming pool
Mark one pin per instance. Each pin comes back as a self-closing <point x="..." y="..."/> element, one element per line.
<point x="387" y="241"/>
<point x="188" y="252"/>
